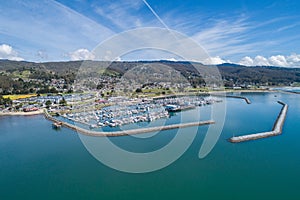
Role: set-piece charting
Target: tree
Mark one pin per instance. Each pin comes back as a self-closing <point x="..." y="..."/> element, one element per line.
<point x="48" y="103"/>
<point x="53" y="90"/>
<point x="70" y="91"/>
<point x="100" y="86"/>
<point x="5" y="101"/>
<point x="138" y="90"/>
<point x="63" y="102"/>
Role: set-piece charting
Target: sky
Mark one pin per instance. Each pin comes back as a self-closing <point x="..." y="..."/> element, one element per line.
<point x="247" y="32"/>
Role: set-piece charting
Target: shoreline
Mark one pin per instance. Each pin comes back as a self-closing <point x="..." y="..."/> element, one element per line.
<point x="238" y="91"/>
<point x="38" y="112"/>
<point x="215" y="92"/>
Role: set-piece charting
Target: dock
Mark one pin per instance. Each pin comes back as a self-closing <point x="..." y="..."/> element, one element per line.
<point x="125" y="132"/>
<point x="277" y="128"/>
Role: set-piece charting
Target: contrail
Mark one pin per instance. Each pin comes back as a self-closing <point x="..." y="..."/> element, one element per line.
<point x="156" y="15"/>
<point x="160" y="20"/>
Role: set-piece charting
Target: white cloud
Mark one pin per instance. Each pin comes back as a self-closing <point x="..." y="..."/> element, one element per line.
<point x="123" y="15"/>
<point x="214" y="61"/>
<point x="289" y="26"/>
<point x="257" y="61"/>
<point x="224" y="34"/>
<point x="82" y="54"/>
<point x="50" y="26"/>
<point x="247" y="61"/>
<point x="294" y="59"/>
<point x="5" y="49"/>
<point x="232" y="36"/>
<point x="7" y="52"/>
<point x="172" y="59"/>
<point x="119" y="59"/>
<point x="278" y="60"/>
<point x="261" y="61"/>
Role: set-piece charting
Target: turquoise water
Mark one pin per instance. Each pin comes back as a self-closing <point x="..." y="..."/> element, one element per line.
<point x="37" y="162"/>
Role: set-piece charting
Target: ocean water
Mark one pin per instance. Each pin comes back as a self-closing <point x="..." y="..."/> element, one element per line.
<point x="38" y="162"/>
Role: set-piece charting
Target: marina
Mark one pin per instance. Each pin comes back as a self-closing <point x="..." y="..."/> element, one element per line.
<point x="129" y="111"/>
<point x="134" y="111"/>
<point x="125" y="132"/>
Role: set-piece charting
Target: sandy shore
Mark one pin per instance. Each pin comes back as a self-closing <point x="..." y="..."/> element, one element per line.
<point x="38" y="112"/>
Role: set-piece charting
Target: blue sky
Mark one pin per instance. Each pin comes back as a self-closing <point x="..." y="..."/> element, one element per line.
<point x="249" y="32"/>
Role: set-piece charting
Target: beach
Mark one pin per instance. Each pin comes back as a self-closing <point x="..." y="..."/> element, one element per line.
<point x="38" y="112"/>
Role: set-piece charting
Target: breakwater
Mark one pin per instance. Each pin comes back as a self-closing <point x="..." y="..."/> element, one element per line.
<point x="233" y="96"/>
<point x="277" y="128"/>
<point x="289" y="92"/>
<point x="240" y="97"/>
<point x="125" y="132"/>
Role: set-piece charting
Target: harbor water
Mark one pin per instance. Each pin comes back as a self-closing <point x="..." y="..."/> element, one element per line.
<point x="38" y="162"/>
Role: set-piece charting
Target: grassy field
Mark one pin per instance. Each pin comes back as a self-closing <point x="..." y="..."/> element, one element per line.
<point x="19" y="96"/>
<point x="22" y="74"/>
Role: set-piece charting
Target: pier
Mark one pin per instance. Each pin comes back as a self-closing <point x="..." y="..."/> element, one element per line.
<point x="125" y="132"/>
<point x="277" y="128"/>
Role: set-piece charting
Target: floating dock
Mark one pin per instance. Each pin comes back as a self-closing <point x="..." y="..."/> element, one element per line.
<point x="125" y="132"/>
<point x="277" y="128"/>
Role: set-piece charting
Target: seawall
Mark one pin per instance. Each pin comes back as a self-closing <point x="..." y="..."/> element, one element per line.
<point x="277" y="128"/>
<point x="233" y="96"/>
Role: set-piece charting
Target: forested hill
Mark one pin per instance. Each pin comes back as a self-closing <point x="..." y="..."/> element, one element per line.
<point x="231" y="73"/>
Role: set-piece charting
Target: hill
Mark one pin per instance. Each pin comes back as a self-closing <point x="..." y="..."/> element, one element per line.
<point x="13" y="73"/>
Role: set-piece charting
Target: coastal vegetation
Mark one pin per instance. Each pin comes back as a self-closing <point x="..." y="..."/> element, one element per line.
<point x="54" y="85"/>
<point x="58" y="77"/>
<point x="5" y="101"/>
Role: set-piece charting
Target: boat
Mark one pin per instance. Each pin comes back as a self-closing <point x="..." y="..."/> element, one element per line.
<point x="100" y="124"/>
<point x="57" y="125"/>
<point x="92" y="126"/>
<point x="176" y="108"/>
